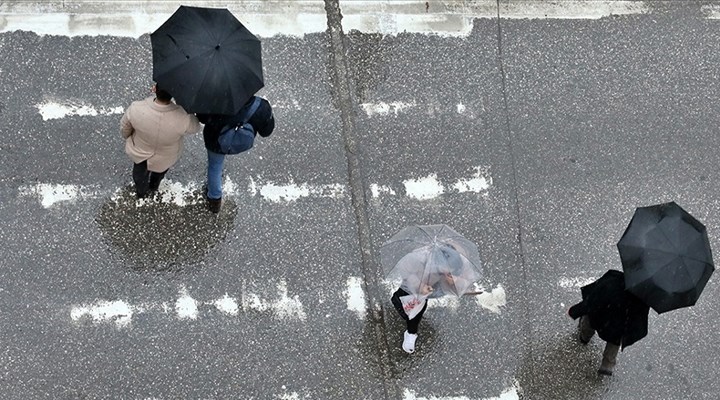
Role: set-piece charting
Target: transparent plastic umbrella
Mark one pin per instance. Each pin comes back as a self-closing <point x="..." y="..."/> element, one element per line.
<point x="432" y="261"/>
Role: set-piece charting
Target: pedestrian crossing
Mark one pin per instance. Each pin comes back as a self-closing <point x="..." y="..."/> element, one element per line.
<point x="189" y="193"/>
<point x="282" y="304"/>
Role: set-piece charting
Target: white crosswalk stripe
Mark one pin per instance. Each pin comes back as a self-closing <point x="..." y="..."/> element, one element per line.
<point x="184" y="194"/>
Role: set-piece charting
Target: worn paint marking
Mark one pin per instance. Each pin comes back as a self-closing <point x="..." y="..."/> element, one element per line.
<point x="56" y="110"/>
<point x="425" y="188"/>
<point x="186" y="194"/>
<point x="512" y="393"/>
<point x="185" y="307"/>
<point x="116" y="311"/>
<point x="573" y="283"/>
<point x="356" y="296"/>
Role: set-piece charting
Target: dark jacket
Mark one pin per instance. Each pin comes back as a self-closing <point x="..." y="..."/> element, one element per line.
<point x="262" y="120"/>
<point x="618" y="317"/>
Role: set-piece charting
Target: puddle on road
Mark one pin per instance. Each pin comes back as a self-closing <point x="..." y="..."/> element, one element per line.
<point x="156" y="235"/>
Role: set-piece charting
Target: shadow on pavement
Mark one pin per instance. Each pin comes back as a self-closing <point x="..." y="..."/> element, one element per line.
<point x="562" y="368"/>
<point x="401" y="363"/>
<point x="161" y="233"/>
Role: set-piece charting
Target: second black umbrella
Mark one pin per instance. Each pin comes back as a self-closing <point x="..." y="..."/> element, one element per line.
<point x="665" y="253"/>
<point x="207" y="60"/>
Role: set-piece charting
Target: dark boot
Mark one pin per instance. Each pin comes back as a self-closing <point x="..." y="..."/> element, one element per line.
<point x="155" y="179"/>
<point x="585" y="331"/>
<point x="214" y="205"/>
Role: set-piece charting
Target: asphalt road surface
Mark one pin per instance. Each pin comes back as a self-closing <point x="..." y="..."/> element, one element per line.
<point x="535" y="137"/>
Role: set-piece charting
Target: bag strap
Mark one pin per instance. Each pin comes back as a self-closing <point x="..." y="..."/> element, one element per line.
<point x="251" y="111"/>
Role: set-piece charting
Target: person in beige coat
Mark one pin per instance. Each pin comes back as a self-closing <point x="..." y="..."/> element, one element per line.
<point x="154" y="130"/>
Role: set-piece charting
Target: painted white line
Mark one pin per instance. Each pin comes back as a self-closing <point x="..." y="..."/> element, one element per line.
<point x="182" y="195"/>
<point x="185" y="307"/>
<point x="278" y="193"/>
<point x="383" y="108"/>
<point x="283" y="307"/>
<point x="570" y="9"/>
<point x="291" y="395"/>
<point x="479" y="182"/>
<point x="170" y="191"/>
<point x="711" y="11"/>
<point x="227" y="304"/>
<point x="512" y="393"/>
<point x="300" y="17"/>
<point x="378" y="190"/>
<point x="117" y="311"/>
<point x="430" y="187"/>
<point x="489" y="300"/>
<point x="55" y="110"/>
<point x="50" y="194"/>
<point x="424" y="188"/>
<point x="356" y="296"/>
<point x="127" y="19"/>
<point x="574" y="283"/>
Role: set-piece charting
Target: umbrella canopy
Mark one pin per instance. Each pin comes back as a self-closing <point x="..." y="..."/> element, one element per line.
<point x="432" y="260"/>
<point x="207" y="60"/>
<point x="666" y="257"/>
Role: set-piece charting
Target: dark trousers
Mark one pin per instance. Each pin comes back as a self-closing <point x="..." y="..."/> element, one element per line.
<point x="146" y="180"/>
<point x="412" y="324"/>
<point x="610" y="353"/>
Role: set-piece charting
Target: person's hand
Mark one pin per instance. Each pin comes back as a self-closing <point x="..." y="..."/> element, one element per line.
<point x="425" y="289"/>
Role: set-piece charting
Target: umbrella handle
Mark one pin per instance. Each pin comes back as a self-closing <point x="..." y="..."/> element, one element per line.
<point x="473" y="293"/>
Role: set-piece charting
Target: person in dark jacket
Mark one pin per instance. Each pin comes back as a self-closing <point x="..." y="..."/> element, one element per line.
<point x="619" y="317"/>
<point x="262" y="121"/>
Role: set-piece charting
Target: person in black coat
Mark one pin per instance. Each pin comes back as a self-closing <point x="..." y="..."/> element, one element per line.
<point x="619" y="317"/>
<point x="262" y="121"/>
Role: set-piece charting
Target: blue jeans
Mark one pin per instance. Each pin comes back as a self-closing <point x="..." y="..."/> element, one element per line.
<point x="214" y="175"/>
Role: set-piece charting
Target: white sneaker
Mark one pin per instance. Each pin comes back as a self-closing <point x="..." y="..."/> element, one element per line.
<point x="409" y="342"/>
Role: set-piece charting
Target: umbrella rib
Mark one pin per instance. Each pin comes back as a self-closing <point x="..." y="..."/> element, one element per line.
<point x="635" y="247"/>
<point x="207" y="72"/>
<point x="403" y="240"/>
<point x="205" y="28"/>
<point x="662" y="231"/>
<point x="431" y="238"/>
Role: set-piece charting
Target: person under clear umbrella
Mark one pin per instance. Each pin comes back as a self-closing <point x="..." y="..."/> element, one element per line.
<point x="618" y="317"/>
<point x="436" y="277"/>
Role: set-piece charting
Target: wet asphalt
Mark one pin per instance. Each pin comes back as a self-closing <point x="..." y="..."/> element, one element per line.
<point x="576" y="122"/>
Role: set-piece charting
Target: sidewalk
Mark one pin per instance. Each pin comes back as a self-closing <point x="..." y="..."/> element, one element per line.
<point x="297" y="17"/>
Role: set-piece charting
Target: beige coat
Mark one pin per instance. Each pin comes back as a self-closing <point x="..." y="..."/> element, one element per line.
<point x="155" y="132"/>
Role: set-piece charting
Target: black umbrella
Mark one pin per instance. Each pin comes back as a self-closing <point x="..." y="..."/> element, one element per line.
<point x="666" y="257"/>
<point x="207" y="60"/>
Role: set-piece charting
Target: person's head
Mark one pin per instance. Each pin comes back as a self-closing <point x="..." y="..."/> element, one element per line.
<point x="452" y="260"/>
<point x="161" y="94"/>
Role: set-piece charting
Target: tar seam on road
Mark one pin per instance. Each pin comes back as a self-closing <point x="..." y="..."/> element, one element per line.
<point x="527" y="347"/>
<point x="344" y="103"/>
